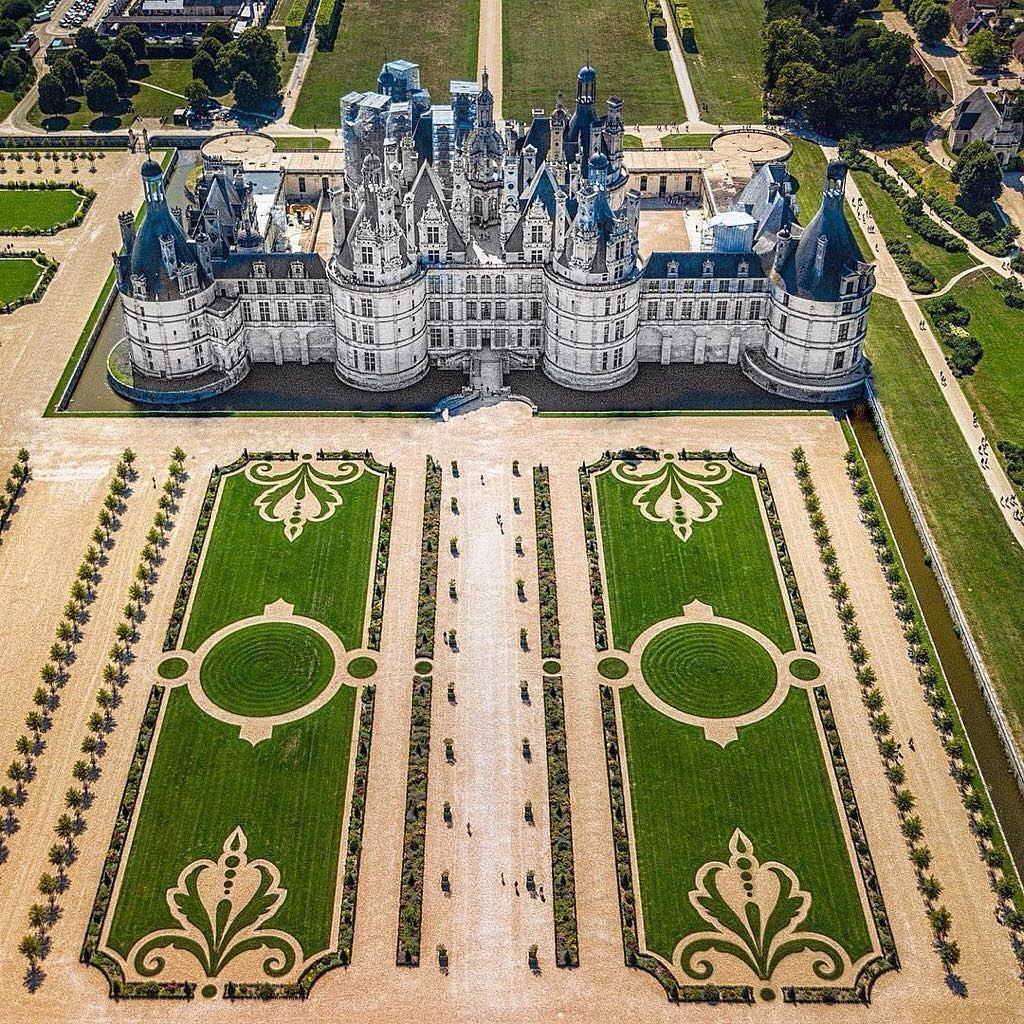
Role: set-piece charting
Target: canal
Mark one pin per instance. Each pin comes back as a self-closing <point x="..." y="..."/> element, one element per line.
<point x="981" y="730"/>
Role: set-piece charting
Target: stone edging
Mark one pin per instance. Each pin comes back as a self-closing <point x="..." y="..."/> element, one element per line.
<point x="410" y="913"/>
<point x="86" y="195"/>
<point x="49" y="267"/>
<point x="563" y="883"/>
<point x="550" y="645"/>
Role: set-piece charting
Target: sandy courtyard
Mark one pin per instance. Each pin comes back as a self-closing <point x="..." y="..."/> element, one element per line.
<point x="486" y="929"/>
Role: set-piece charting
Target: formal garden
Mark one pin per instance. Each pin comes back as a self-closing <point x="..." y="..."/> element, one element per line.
<point x="256" y="742"/>
<point x="715" y="705"/>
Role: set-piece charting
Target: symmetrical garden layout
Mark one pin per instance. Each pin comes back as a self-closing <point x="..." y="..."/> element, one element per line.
<point x="229" y="866"/>
<point x="733" y="810"/>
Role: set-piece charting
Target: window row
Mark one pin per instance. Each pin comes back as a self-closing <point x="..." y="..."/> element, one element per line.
<point x="684" y="310"/>
<point x="722" y="284"/>
<point x="472" y="285"/>
<point x="263" y="287"/>
<point x="284" y="312"/>
<point x="485" y="310"/>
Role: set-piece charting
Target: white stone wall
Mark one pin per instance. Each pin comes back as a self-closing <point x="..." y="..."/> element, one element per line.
<point x="171" y="338"/>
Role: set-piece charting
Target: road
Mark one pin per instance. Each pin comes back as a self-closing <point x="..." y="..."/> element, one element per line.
<point x="890" y="282"/>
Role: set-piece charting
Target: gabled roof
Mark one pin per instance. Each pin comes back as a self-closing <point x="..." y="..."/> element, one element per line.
<point x="426" y="186"/>
<point x="976" y="114"/>
<point x="540" y="192"/>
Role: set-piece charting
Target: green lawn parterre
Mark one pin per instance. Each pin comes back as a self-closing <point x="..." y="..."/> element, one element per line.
<point x="441" y="36"/>
<point x="546" y="42"/>
<point x="18" y="277"/>
<point x="288" y="791"/>
<point x="688" y="794"/>
<point x="727" y="69"/>
<point x="37" y="209"/>
<point x="709" y="670"/>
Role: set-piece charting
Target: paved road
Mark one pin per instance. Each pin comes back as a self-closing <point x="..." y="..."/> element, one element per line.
<point x="891" y="283"/>
<point x="675" y="50"/>
<point x="489" y="50"/>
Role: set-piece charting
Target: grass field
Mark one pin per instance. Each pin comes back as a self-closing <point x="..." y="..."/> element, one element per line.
<point x="726" y="72"/>
<point x="996" y="388"/>
<point x="613" y="36"/>
<point x="696" y="140"/>
<point x="981" y="556"/>
<point x="300" y="143"/>
<point x="38" y="209"/>
<point x="17" y="278"/>
<point x="440" y="36"/>
<point x="890" y="222"/>
<point x="807" y="165"/>
<point x="772" y="781"/>
<point x="287" y="791"/>
<point x="934" y="174"/>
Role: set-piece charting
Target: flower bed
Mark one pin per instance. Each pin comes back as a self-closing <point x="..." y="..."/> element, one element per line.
<point x="426" y="614"/>
<point x="548" y="589"/>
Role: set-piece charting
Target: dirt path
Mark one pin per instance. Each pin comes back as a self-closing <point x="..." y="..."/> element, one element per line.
<point x="489" y="51"/>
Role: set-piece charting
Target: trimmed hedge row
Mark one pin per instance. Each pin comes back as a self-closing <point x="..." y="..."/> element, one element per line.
<point x="298" y="12"/>
<point x="563" y="879"/>
<point x="981" y="818"/>
<point x="328" y="17"/>
<point x="593" y="550"/>
<point x="410" y="912"/>
<point x="550" y="646"/>
<point x="426" y="614"/>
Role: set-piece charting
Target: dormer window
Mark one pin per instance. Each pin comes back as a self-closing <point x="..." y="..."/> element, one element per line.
<point x="673" y="268"/>
<point x="743" y="269"/>
<point x="259" y="269"/>
<point x="138" y="287"/>
<point x="297" y="269"/>
<point x="708" y="268"/>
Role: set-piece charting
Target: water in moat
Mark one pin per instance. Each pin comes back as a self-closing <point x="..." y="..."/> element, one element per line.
<point x="988" y="749"/>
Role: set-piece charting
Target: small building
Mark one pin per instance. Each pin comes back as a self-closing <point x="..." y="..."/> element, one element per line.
<point x="967" y="18"/>
<point x="979" y="116"/>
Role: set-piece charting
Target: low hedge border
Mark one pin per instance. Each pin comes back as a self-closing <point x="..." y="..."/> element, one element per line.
<point x="563" y="877"/>
<point x="593" y="549"/>
<point x="49" y="268"/>
<point x="410" y="913"/>
<point x="426" y="614"/>
<point x="633" y="956"/>
<point x="880" y="722"/>
<point x="14" y="487"/>
<point x="981" y="818"/>
<point x="550" y="645"/>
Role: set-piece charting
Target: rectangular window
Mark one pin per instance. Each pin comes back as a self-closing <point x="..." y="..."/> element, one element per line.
<point x="320" y="310"/>
<point x="433" y="235"/>
<point x="620" y="329"/>
<point x="367" y="275"/>
<point x="264" y="311"/>
<point x="302" y="184"/>
<point x="485" y="311"/>
<point x="847" y="308"/>
<point x="702" y="309"/>
<point x="302" y="311"/>
<point x="368" y="334"/>
<point x="366" y="253"/>
<point x="195" y="329"/>
<point x="261" y="287"/>
<point x="738" y="311"/>
<point x="434" y="310"/>
<point x="370" y="361"/>
<point x="535" y="311"/>
<point x="535" y="337"/>
<point x="537" y="234"/>
<point x="282" y="311"/>
<point x="434" y="336"/>
<point x="652" y="311"/>
<point x="604" y="360"/>
<point x="607" y="305"/>
<point x="500" y="310"/>
<point x="755" y="309"/>
<point x="247" y="311"/>
<point x="782" y="322"/>
<point x="685" y="310"/>
<point x="721" y="309"/>
<point x="192" y="305"/>
<point x="471" y="337"/>
<point x="617" y="358"/>
<point x="366" y="307"/>
<point x="607" y="332"/>
<point x="844" y="331"/>
<point x="840" y="359"/>
<point x="670" y="309"/>
<point x="470" y="310"/>
<point x="433" y="283"/>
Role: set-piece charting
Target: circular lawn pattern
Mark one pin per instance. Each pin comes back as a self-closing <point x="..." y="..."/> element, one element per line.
<point x="709" y="671"/>
<point x="172" y="668"/>
<point x="362" y="667"/>
<point x="804" y="669"/>
<point x="612" y="668"/>
<point x="268" y="669"/>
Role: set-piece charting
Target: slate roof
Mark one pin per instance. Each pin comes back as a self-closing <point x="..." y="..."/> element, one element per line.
<point x="976" y="114"/>
<point x="279" y="265"/>
<point x="691" y="264"/>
